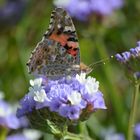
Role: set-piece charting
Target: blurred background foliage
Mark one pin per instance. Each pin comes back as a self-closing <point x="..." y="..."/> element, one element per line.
<point x="99" y="38"/>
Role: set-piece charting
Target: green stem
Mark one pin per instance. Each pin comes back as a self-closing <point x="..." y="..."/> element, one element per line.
<point x="71" y="136"/>
<point x="83" y="128"/>
<point x="133" y="112"/>
<point x="3" y="133"/>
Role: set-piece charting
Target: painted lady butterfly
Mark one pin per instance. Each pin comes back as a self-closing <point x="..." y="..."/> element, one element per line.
<point x="58" y="53"/>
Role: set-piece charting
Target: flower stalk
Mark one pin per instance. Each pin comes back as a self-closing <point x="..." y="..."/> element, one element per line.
<point x="132" y="118"/>
<point x="71" y="136"/>
<point x="3" y="133"/>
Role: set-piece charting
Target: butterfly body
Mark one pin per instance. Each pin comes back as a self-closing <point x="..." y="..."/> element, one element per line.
<point x="58" y="53"/>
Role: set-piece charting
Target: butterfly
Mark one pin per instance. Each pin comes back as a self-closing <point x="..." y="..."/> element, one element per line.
<point x="58" y="53"/>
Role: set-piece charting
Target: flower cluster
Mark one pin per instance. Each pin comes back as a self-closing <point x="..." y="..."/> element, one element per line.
<point x="81" y="9"/>
<point x="130" y="59"/>
<point x="69" y="98"/>
<point x="12" y="12"/>
<point x="8" y="118"/>
<point x="127" y="55"/>
<point x="9" y="121"/>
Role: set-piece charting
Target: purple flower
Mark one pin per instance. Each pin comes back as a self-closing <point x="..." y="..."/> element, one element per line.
<point x="67" y="97"/>
<point x="28" y="103"/>
<point x="81" y="9"/>
<point x="136" y="51"/>
<point x="75" y="85"/>
<point x="55" y="105"/>
<point x="137" y="131"/>
<point x="63" y="110"/>
<point x="127" y="55"/>
<point x="17" y="137"/>
<point x="130" y="59"/>
<point x="123" y="57"/>
<point x="76" y="8"/>
<point x="106" y="7"/>
<point x="12" y="12"/>
<point x="98" y="102"/>
<point x="73" y="112"/>
<point x="119" y="58"/>
<point x="8" y="118"/>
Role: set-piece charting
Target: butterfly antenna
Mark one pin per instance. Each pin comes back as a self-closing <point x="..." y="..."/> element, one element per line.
<point x="100" y="62"/>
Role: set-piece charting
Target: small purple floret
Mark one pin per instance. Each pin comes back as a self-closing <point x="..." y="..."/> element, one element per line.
<point x="119" y="57"/>
<point x="99" y="101"/>
<point x="126" y="56"/>
<point x="27" y="105"/>
<point x="74" y="112"/>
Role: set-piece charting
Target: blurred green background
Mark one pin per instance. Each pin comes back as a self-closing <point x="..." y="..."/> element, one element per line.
<point x="98" y="39"/>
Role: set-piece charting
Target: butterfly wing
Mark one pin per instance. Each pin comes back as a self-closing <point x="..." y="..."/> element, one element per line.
<point x="62" y="30"/>
<point x="57" y="54"/>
